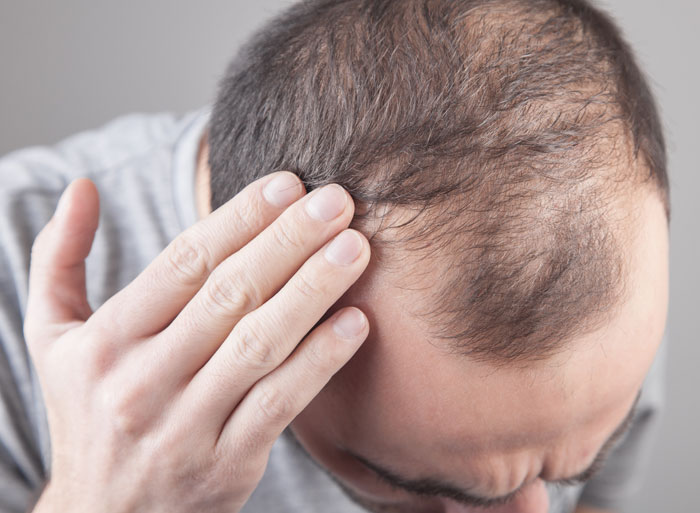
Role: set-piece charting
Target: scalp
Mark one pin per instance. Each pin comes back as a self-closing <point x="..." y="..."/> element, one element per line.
<point x="498" y="143"/>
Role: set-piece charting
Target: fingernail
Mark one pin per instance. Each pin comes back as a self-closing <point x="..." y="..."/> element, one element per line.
<point x="350" y="323"/>
<point x="344" y="249"/>
<point x="327" y="203"/>
<point x="282" y="190"/>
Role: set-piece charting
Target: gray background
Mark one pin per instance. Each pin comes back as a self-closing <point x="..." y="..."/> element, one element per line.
<point x="72" y="65"/>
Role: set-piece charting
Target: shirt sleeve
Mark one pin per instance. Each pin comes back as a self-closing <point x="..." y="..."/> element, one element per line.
<point x="16" y="494"/>
<point x="28" y="193"/>
<point x="623" y="474"/>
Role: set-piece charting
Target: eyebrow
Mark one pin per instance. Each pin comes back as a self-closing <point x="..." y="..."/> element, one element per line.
<point x="435" y="487"/>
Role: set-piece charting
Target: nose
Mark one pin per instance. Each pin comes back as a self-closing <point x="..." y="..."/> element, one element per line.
<point x="531" y="499"/>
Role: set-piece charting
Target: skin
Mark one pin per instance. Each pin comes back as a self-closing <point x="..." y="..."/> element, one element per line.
<point x="194" y="434"/>
<point x="169" y="397"/>
<point x="492" y="429"/>
<point x="488" y="429"/>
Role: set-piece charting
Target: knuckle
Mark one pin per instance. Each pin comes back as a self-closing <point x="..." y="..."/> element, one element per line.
<point x="188" y="258"/>
<point x="307" y="287"/>
<point x="251" y="347"/>
<point x="316" y="357"/>
<point x="100" y="362"/>
<point x="231" y="295"/>
<point x="287" y="237"/>
<point x="127" y="425"/>
<point x="275" y="405"/>
<point x="127" y="408"/>
<point x="242" y="216"/>
<point x="100" y="353"/>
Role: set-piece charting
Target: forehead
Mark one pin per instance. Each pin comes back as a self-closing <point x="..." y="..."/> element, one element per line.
<point x="405" y="390"/>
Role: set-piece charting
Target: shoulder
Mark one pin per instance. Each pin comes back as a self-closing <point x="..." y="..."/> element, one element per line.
<point x="32" y="179"/>
<point x="88" y="153"/>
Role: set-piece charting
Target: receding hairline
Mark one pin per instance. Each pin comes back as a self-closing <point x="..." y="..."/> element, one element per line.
<point x="410" y="263"/>
<point x="376" y="95"/>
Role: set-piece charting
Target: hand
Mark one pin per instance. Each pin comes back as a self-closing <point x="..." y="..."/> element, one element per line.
<point x="170" y="396"/>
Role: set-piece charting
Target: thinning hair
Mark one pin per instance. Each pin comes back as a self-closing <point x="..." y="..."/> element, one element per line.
<point x="499" y="142"/>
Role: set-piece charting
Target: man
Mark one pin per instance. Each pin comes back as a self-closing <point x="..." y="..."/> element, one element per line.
<point x="503" y="160"/>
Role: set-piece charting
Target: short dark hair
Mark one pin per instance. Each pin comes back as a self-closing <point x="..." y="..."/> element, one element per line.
<point x="503" y="132"/>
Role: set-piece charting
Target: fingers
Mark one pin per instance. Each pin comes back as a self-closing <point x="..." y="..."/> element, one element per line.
<point x="264" y="338"/>
<point x="57" y="294"/>
<point x="158" y="294"/>
<point x="250" y="277"/>
<point x="278" y="398"/>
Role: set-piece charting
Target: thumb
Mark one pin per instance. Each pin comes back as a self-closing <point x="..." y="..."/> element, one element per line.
<point x="57" y="293"/>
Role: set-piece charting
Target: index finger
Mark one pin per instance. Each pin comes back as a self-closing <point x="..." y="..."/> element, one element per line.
<point x="156" y="296"/>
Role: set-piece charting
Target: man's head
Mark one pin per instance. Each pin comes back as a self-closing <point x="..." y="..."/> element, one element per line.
<point x="508" y="165"/>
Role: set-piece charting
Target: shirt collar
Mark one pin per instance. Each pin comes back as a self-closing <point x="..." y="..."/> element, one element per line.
<point x="185" y="166"/>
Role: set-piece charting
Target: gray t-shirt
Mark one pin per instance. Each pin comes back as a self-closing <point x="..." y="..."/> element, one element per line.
<point x="144" y="168"/>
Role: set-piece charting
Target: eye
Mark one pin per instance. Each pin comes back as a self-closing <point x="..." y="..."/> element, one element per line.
<point x="468" y="501"/>
<point x="388" y="484"/>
